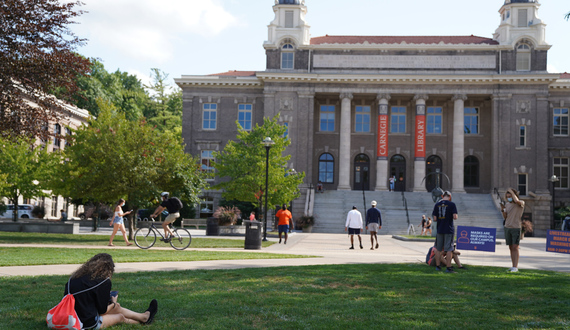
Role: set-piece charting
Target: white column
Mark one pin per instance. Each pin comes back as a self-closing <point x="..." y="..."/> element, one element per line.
<point x="382" y="147"/>
<point x="458" y="155"/>
<point x="420" y="134"/>
<point x="344" y="150"/>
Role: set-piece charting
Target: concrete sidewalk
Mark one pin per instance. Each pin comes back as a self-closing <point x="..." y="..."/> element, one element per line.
<point x="329" y="249"/>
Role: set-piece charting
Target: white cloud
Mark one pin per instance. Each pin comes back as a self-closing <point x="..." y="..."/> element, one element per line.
<point x="149" y="29"/>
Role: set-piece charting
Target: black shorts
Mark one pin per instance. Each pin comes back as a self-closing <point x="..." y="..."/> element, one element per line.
<point x="354" y="231"/>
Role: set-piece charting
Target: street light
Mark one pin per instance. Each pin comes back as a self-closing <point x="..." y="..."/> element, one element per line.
<point x="291" y="225"/>
<point x="267" y="142"/>
<point x="553" y="179"/>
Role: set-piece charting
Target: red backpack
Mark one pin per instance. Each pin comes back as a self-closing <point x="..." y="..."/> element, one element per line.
<point x="63" y="315"/>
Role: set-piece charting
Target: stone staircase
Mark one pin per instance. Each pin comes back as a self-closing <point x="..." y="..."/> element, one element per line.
<point x="331" y="208"/>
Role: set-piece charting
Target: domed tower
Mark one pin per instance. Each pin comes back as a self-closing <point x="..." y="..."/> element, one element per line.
<point x="522" y="33"/>
<point x="287" y="34"/>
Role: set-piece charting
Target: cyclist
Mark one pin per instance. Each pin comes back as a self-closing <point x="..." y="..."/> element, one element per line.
<point x="173" y="205"/>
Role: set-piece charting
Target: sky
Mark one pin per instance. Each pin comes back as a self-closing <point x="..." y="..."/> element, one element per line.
<point x="200" y="37"/>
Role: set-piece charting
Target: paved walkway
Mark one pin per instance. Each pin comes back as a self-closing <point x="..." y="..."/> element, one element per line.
<point x="329" y="249"/>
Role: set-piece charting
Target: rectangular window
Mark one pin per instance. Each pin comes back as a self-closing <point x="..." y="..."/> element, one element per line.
<point x="523" y="18"/>
<point x="286" y="134"/>
<point x="67" y="136"/>
<point x="523" y="184"/>
<point x="560" y="123"/>
<point x="522" y="136"/>
<point x="244" y="116"/>
<point x="289" y="19"/>
<point x="56" y="137"/>
<point x="561" y="172"/>
<point x="471" y="119"/>
<point x="434" y="120"/>
<point x="523" y="61"/>
<point x="287" y="60"/>
<point x="398" y="120"/>
<point x="207" y="161"/>
<point x="362" y="120"/>
<point x="210" y="116"/>
<point x="54" y="206"/>
<point x="327" y="118"/>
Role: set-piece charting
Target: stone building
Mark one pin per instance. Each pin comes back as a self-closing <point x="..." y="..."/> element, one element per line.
<point x="471" y="114"/>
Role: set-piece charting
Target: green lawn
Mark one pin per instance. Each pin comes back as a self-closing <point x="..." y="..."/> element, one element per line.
<point x="86" y="239"/>
<point x="401" y="296"/>
<point x="26" y="256"/>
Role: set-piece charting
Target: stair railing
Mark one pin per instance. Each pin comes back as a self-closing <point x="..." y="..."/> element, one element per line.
<point x="405" y="202"/>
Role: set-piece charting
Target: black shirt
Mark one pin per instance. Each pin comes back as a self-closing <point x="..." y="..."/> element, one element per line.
<point x="91" y="303"/>
<point x="170" y="205"/>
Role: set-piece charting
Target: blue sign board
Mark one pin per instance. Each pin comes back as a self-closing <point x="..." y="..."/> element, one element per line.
<point x="476" y="238"/>
<point x="558" y="241"/>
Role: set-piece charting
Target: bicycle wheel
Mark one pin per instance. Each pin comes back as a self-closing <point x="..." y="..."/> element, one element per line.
<point x="145" y="238"/>
<point x="181" y="239"/>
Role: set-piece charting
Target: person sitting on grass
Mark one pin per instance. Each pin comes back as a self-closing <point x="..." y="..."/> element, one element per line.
<point x="96" y="308"/>
<point x="430" y="260"/>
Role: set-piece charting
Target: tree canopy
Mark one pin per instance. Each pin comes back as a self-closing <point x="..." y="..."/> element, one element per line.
<point x="241" y="165"/>
<point x="25" y="169"/>
<point x="36" y="57"/>
<point x="114" y="158"/>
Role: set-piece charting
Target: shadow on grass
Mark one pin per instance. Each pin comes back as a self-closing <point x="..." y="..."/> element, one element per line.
<point x="398" y="296"/>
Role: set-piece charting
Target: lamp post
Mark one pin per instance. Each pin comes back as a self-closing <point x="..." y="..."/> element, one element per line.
<point x="553" y="179"/>
<point x="267" y="142"/>
<point x="291" y="225"/>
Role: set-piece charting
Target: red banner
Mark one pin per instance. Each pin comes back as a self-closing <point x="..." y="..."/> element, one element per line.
<point x="420" y="136"/>
<point x="382" y="136"/>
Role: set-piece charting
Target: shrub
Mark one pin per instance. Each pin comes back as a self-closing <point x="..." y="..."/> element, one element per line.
<point x="39" y="212"/>
<point x="227" y="216"/>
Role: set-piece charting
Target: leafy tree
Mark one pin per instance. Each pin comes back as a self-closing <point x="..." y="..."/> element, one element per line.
<point x="36" y="57"/>
<point x="165" y="110"/>
<point x="26" y="170"/>
<point x="114" y="158"/>
<point x="123" y="90"/>
<point x="242" y="166"/>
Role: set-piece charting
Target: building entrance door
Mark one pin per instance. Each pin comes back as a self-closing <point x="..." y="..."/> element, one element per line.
<point x="361" y="172"/>
<point x="433" y="165"/>
<point x="398" y="171"/>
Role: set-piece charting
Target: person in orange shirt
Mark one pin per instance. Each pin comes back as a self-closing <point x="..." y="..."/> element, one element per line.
<point x="284" y="217"/>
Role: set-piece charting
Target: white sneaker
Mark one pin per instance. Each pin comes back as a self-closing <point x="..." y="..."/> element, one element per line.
<point x="513" y="269"/>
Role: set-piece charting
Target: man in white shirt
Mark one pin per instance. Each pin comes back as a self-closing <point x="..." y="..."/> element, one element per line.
<point x="353" y="226"/>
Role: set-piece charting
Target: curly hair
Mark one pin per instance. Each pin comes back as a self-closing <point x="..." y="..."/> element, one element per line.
<point x="100" y="266"/>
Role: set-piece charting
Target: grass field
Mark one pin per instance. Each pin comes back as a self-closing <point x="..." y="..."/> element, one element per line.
<point x="400" y="296"/>
<point x="86" y="239"/>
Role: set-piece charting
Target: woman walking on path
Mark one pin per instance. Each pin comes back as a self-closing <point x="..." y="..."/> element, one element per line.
<point x="118" y="223"/>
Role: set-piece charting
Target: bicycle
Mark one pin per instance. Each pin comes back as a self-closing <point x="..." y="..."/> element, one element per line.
<point x="145" y="237"/>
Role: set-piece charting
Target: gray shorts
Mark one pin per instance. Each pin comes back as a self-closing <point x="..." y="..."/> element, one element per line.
<point x="512" y="236"/>
<point x="444" y="242"/>
<point x="373" y="226"/>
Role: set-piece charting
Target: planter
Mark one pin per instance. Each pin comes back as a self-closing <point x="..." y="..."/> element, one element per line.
<point x="308" y="229"/>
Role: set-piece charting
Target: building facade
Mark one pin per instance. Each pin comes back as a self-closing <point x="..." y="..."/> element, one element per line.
<point x="469" y="114"/>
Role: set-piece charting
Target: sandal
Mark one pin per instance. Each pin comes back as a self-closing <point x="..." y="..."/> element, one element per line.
<point x="110" y="244"/>
<point x="129" y="244"/>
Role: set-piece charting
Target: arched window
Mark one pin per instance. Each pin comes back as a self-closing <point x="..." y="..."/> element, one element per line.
<point x="287" y="56"/>
<point x="523" y="57"/>
<point x="471" y="172"/>
<point x="326" y="168"/>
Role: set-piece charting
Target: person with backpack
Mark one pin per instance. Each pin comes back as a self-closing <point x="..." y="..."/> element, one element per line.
<point x="93" y="302"/>
<point x="173" y="206"/>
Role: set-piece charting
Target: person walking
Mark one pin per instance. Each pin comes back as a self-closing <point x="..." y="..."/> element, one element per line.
<point x="354" y="226"/>
<point x="444" y="213"/>
<point x="284" y="217"/>
<point x="512" y="213"/>
<point x="118" y="222"/>
<point x="392" y="182"/>
<point x="373" y="223"/>
<point x="428" y="226"/>
<point x="423" y="225"/>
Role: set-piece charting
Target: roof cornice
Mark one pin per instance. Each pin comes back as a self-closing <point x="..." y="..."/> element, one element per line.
<point x="411" y="78"/>
<point x="218" y="81"/>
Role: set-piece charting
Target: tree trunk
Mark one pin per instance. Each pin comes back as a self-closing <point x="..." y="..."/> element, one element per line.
<point x="15" y="211"/>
